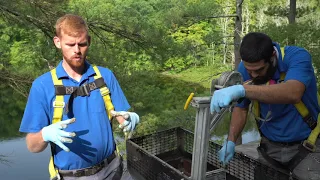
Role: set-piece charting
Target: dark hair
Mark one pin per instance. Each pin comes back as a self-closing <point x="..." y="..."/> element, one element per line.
<point x="256" y="46"/>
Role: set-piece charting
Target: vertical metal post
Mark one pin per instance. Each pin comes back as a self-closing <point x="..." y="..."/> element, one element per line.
<point x="201" y="138"/>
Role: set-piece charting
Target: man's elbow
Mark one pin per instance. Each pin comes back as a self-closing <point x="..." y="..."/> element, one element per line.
<point x="296" y="96"/>
<point x="34" y="149"/>
<point x="295" y="100"/>
<point x="297" y="90"/>
<point x="34" y="144"/>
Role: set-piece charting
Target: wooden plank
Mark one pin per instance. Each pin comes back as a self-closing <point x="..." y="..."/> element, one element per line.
<point x="249" y="149"/>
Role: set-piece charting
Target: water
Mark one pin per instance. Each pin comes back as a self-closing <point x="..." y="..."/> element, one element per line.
<point x="22" y="164"/>
<point x="247" y="136"/>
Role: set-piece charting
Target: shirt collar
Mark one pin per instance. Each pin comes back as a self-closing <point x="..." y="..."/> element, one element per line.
<point x="88" y="71"/>
<point x="280" y="66"/>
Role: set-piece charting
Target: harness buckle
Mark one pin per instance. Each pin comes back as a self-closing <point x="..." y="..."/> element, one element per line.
<point x="58" y="104"/>
<point x="104" y="91"/>
<point x="310" y="121"/>
<point x="309" y="146"/>
<point x="84" y="90"/>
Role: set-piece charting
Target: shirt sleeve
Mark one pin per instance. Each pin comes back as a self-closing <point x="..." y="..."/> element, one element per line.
<point x="35" y="116"/>
<point x="299" y="65"/>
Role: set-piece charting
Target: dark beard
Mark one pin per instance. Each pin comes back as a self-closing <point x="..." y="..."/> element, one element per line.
<point x="269" y="74"/>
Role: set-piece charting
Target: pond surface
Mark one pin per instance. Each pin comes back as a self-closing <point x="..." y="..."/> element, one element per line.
<point x="20" y="164"/>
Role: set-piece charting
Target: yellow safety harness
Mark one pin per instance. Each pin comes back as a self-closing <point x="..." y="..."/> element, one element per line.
<point x="59" y="104"/>
<point x="303" y="111"/>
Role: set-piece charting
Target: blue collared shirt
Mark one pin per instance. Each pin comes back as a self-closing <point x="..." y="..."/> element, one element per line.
<point x="94" y="137"/>
<point x="286" y="124"/>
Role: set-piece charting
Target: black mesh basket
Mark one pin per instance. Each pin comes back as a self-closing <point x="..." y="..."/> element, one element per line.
<point x="167" y="155"/>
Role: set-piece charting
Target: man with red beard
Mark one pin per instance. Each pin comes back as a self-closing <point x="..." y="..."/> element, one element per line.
<point x="70" y="107"/>
<point x="276" y="82"/>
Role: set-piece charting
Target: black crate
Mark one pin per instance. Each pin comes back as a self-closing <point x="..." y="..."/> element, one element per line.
<point x="167" y="155"/>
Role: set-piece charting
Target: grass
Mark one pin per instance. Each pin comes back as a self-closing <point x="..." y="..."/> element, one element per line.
<point x="200" y="75"/>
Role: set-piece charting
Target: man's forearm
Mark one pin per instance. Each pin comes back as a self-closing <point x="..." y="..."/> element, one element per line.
<point x="289" y="92"/>
<point x="35" y="142"/>
<point x="238" y="121"/>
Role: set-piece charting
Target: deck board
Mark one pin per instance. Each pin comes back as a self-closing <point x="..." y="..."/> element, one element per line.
<point x="249" y="149"/>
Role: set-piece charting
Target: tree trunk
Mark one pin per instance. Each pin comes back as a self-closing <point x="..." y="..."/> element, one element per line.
<point x="237" y="31"/>
<point x="292" y="18"/>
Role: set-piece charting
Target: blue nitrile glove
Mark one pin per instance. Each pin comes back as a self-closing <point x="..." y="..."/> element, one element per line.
<point x="130" y="123"/>
<point x="57" y="135"/>
<point x="226" y="155"/>
<point x="223" y="97"/>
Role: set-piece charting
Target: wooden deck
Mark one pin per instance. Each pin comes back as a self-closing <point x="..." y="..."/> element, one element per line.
<point x="249" y="149"/>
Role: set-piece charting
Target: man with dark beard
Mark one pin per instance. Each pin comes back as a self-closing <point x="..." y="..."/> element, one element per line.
<point x="276" y="82"/>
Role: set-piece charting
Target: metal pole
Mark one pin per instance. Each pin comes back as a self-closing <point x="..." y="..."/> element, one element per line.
<point x="201" y="138"/>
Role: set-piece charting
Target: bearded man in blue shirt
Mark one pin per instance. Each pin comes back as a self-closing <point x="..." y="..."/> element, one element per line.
<point x="67" y="107"/>
<point x="276" y="81"/>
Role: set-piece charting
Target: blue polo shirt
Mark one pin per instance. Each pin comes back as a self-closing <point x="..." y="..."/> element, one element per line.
<point x="94" y="137"/>
<point x="286" y="124"/>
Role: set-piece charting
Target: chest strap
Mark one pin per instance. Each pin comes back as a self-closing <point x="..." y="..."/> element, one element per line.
<point x="83" y="90"/>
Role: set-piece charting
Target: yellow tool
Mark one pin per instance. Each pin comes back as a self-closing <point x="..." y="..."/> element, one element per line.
<point x="186" y="105"/>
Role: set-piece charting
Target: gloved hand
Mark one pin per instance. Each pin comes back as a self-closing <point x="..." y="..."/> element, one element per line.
<point x="223" y="97"/>
<point x="131" y="120"/>
<point x="130" y="124"/>
<point x="226" y="155"/>
<point x="55" y="134"/>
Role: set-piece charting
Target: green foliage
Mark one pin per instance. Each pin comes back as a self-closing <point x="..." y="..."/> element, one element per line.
<point x="201" y="75"/>
<point x="160" y="50"/>
<point x="12" y="105"/>
<point x="179" y="63"/>
<point x="197" y="38"/>
<point x="159" y="100"/>
<point x="283" y="11"/>
<point x="24" y="48"/>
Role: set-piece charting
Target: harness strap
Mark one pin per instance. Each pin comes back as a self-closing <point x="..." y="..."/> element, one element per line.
<point x="105" y="93"/>
<point x="293" y="163"/>
<point x="58" y="106"/>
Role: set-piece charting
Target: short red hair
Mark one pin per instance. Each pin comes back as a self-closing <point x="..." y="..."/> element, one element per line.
<point x="71" y="25"/>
